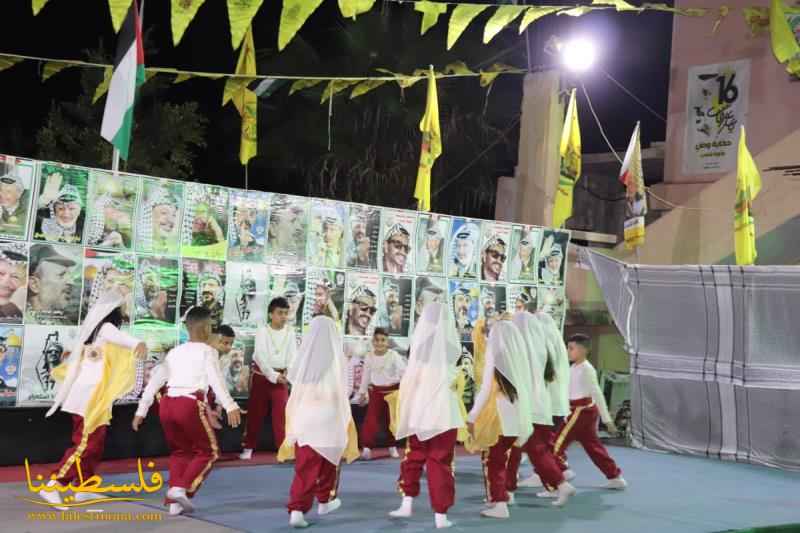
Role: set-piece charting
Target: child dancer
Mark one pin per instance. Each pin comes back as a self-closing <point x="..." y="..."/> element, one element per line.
<point x="222" y="341"/>
<point x="549" y="379"/>
<point x="501" y="416"/>
<point x="588" y="403"/>
<point x="275" y="350"/>
<point x="319" y="426"/>
<point x="381" y="375"/>
<point x="101" y="369"/>
<point x="188" y="370"/>
<point x="429" y="412"/>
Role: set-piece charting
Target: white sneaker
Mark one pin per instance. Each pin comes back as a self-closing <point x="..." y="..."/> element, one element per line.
<point x="331" y="506"/>
<point x="88" y="496"/>
<point x="175" y="509"/>
<point x="523" y="460"/>
<point x="498" y="510"/>
<point x="393" y="453"/>
<point x="53" y="496"/>
<point x="511" y="500"/>
<point x="404" y="511"/>
<point x="565" y="492"/>
<point x="246" y="455"/>
<point x="441" y="521"/>
<point x="569" y="475"/>
<point x="179" y="495"/>
<point x="366" y="454"/>
<point x="618" y="483"/>
<point x="547" y="494"/>
<point x="532" y="481"/>
<point x="297" y="520"/>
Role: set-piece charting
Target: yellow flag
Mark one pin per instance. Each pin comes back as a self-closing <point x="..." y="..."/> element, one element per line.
<point x="365" y="86"/>
<point x="52" y="68"/>
<point x="351" y="8"/>
<point x="103" y="87"/>
<point x="334" y="87"/>
<point x="240" y="14"/>
<point x="118" y="8"/>
<point x="784" y="42"/>
<point x="459" y="20"/>
<point x="244" y="99"/>
<point x="748" y="185"/>
<point x="299" y="85"/>
<point x="183" y="11"/>
<point x="430" y="13"/>
<point x="620" y="5"/>
<point x="570" y="151"/>
<point x="246" y="66"/>
<point x="181" y="77"/>
<point x="504" y="16"/>
<point x="431" y="145"/>
<point x="458" y="67"/>
<point x="293" y="16"/>
<point x="37" y="6"/>
<point x="8" y="62"/>
<point x="488" y="76"/>
<point x="533" y="14"/>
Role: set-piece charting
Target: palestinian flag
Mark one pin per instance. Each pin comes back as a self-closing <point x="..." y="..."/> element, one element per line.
<point x="128" y="75"/>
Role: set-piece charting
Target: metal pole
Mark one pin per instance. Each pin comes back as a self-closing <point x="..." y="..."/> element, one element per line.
<point x="115" y="161"/>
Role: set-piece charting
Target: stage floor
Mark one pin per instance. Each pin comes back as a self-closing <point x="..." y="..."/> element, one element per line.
<point x="667" y="493"/>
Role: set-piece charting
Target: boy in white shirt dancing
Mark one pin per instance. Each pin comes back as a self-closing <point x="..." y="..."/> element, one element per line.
<point x="587" y="403"/>
<point x="188" y="370"/>
<point x="275" y="349"/>
<point x="383" y="369"/>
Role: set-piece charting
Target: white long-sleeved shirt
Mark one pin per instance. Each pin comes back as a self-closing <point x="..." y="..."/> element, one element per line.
<point x="274" y="348"/>
<point x="91" y="372"/>
<point x="186" y="369"/>
<point x="583" y="384"/>
<point x="382" y="370"/>
<point x="509" y="416"/>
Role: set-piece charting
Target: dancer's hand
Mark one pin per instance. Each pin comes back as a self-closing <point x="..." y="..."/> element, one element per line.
<point x="137" y="421"/>
<point x="281" y="379"/>
<point x="140" y="351"/>
<point x="471" y="429"/>
<point x="234" y="418"/>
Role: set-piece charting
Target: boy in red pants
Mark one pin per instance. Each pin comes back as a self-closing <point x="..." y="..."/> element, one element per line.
<point x="587" y="404"/>
<point x="383" y="369"/>
<point x="188" y="370"/>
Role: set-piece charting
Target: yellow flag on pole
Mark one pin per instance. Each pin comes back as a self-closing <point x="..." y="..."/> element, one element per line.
<point x="431" y="145"/>
<point x="182" y="14"/>
<point x="748" y="185"/>
<point x="570" y="151"/>
<point x="245" y="100"/>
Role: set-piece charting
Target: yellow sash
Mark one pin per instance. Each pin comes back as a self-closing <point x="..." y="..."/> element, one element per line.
<point x="487" y="425"/>
<point x="351" y="453"/>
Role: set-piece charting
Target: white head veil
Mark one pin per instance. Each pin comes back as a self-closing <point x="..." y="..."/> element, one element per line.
<point x="428" y="406"/>
<point x="510" y="352"/>
<point x="106" y="303"/>
<point x="318" y="411"/>
<point x="559" y="388"/>
<point x="536" y="344"/>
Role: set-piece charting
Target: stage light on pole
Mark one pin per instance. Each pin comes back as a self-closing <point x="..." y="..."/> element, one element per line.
<point x="578" y="55"/>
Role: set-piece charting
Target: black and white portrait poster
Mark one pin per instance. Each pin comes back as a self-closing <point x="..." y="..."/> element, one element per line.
<point x="45" y="348"/>
<point x="286" y="233"/>
<point x="289" y="281"/>
<point x="428" y="290"/>
<point x="362" y="237"/>
<point x="397" y="239"/>
<point x="495" y="248"/>
<point x="524" y="246"/>
<point x="324" y="295"/>
<point x="361" y="303"/>
<point x="395" y="304"/>
<point x="432" y="233"/>
<point x="552" y="257"/>
<point x="246" y="295"/>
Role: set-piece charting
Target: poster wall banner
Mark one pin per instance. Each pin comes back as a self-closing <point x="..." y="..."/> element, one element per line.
<point x="523" y="298"/>
<point x="16" y="191"/>
<point x="397" y="239"/>
<point x="104" y="271"/>
<point x="236" y="364"/>
<point x="428" y="289"/>
<point x="61" y="204"/>
<point x="45" y="348"/>
<point x="10" y="359"/>
<point x="525" y="241"/>
<point x="13" y="281"/>
<point x="465" y="302"/>
<point x="246" y="295"/>
<point x="160" y="216"/>
<point x="111" y="208"/>
<point x="286" y="240"/>
<point x="718" y="99"/>
<point x="247" y="233"/>
<point x="289" y="281"/>
<point x="432" y="233"/>
<point x="203" y="284"/>
<point x="395" y="302"/>
<point x="54" y="284"/>
<point x="324" y="295"/>
<point x="552" y="255"/>
<point x="362" y="237"/>
<point x="462" y="258"/>
<point x="493" y="300"/>
<point x="361" y="303"/>
<point x="159" y="342"/>
<point x="495" y="248"/>
<point x="553" y="302"/>
<point x="156" y="292"/>
<point x="326" y="234"/>
<point x="205" y="222"/>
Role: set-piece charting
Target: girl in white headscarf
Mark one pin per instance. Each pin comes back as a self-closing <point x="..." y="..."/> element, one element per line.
<point x="319" y="426"/>
<point x="429" y="412"/>
<point x="501" y="417"/>
<point x="100" y="369"/>
<point x="549" y="375"/>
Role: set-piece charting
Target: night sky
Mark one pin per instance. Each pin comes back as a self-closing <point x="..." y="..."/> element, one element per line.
<point x="635" y="49"/>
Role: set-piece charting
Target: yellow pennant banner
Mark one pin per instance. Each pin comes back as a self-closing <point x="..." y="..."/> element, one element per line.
<point x="535" y="13"/>
<point x="430" y="13"/>
<point x="240" y="14"/>
<point x="246" y="67"/>
<point x="365" y="86"/>
<point x="462" y="15"/>
<point x="686" y="12"/>
<point x="489" y="75"/>
<point x="459" y="67"/>
<point x="504" y="16"/>
<point x="334" y="87"/>
<point x="118" y="9"/>
<point x="352" y="8"/>
<point x="246" y="103"/>
<point x="182" y="14"/>
<point x="37" y="6"/>
<point x="293" y="16"/>
<point x="8" y="62"/>
<point x="299" y="85"/>
<point x="52" y="68"/>
<point x="103" y="87"/>
<point x="619" y="5"/>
